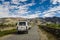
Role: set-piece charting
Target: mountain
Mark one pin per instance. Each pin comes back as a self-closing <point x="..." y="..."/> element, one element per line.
<point x="52" y="19"/>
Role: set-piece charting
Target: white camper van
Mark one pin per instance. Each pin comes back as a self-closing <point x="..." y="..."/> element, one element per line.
<point x="22" y="26"/>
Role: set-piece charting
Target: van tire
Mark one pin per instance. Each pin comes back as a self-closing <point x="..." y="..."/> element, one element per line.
<point x="26" y="32"/>
<point x="18" y="32"/>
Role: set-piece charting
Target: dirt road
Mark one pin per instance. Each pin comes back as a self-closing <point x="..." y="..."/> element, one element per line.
<point x="32" y="35"/>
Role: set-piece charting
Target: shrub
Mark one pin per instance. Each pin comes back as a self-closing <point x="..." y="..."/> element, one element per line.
<point x="6" y="32"/>
<point x="57" y="26"/>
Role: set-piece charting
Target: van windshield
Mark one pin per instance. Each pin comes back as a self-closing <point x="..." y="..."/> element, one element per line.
<point x="22" y="23"/>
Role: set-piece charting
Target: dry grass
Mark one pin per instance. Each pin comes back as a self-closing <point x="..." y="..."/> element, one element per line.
<point x="6" y="32"/>
<point x="46" y="36"/>
<point x="7" y="28"/>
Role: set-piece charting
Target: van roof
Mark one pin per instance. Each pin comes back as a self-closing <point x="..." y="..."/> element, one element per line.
<point x="22" y="21"/>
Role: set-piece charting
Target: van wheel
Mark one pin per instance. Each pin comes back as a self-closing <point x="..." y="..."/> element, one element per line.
<point x="29" y="28"/>
<point x="26" y="32"/>
<point x="18" y="32"/>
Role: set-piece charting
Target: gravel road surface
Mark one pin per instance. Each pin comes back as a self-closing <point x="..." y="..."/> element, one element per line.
<point x="32" y="35"/>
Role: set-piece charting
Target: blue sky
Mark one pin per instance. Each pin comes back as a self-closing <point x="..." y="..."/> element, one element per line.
<point x="29" y="8"/>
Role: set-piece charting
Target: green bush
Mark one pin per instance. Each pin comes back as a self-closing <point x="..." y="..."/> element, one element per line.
<point x="53" y="25"/>
<point x="6" y="32"/>
<point x="2" y="25"/>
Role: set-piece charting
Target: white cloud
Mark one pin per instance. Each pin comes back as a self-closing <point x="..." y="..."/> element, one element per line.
<point x="22" y="0"/>
<point x="15" y="1"/>
<point x="37" y="13"/>
<point x="55" y="1"/>
<point x="3" y="11"/>
<point x="54" y="9"/>
<point x="42" y="1"/>
<point x="31" y="16"/>
<point x="58" y="12"/>
<point x="30" y="4"/>
<point x="23" y="9"/>
<point x="12" y="7"/>
<point x="1" y="0"/>
<point x="51" y="12"/>
<point x="6" y="3"/>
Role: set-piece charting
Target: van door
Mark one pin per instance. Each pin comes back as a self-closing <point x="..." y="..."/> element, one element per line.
<point x="22" y="26"/>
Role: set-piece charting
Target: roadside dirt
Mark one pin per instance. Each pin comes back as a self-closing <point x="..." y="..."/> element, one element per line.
<point x="45" y="36"/>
